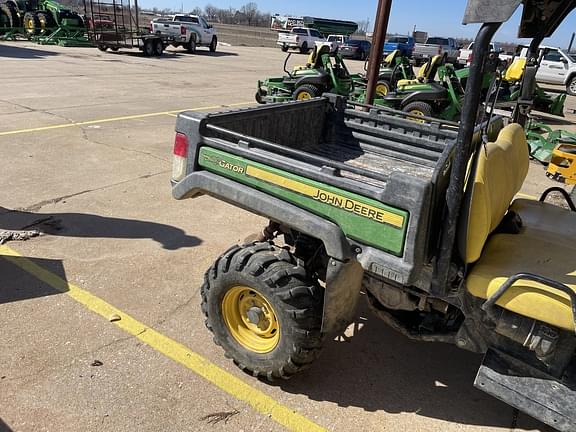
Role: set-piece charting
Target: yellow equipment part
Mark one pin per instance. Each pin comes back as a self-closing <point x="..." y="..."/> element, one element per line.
<point x="562" y="166"/>
<point x="391" y="58"/>
<point x="311" y="60"/>
<point x="515" y="71"/>
<point x="237" y="305"/>
<point x="423" y="73"/>
<point x="547" y="247"/>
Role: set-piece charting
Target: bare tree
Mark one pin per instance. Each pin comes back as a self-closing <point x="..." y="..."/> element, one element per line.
<point x="250" y="12"/>
<point x="211" y="12"/>
<point x="197" y="11"/>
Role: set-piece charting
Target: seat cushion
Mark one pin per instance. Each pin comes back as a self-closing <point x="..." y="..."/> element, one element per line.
<point x="546" y="246"/>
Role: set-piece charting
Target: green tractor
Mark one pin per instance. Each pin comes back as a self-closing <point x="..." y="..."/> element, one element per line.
<point x="395" y="67"/>
<point x="45" y="21"/>
<point x="324" y="72"/>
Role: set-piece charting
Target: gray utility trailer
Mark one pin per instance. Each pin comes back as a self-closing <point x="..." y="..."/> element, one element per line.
<point x="115" y="24"/>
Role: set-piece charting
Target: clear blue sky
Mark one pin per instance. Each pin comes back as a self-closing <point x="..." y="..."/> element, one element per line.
<point x="437" y="17"/>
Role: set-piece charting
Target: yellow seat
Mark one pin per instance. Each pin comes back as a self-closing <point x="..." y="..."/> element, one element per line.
<point x="314" y="59"/>
<point x="515" y="70"/>
<point x="390" y="59"/>
<point x="425" y="74"/>
<point x="545" y="245"/>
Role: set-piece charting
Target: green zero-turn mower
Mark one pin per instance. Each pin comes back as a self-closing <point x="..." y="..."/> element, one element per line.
<point x="424" y="96"/>
<point x="324" y="72"/>
<point x="394" y="67"/>
<point x="423" y="218"/>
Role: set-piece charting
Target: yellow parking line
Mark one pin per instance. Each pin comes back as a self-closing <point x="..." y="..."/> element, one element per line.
<point x="116" y="119"/>
<point x="232" y="385"/>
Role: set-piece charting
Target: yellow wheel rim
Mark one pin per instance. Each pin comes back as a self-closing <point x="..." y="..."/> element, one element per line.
<point x="417" y="113"/>
<point x="251" y="319"/>
<point x="29" y="25"/>
<point x="304" y="96"/>
<point x="381" y="89"/>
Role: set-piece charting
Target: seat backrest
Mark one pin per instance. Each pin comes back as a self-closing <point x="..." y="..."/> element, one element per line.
<point x="500" y="171"/>
<point x="324" y="49"/>
<point x="515" y="70"/>
<point x="390" y="59"/>
<point x="428" y="71"/>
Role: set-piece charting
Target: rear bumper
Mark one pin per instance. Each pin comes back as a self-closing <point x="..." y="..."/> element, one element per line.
<point x="288" y="44"/>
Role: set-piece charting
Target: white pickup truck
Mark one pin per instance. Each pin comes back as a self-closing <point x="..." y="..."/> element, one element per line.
<point x="465" y="57"/>
<point x="558" y="67"/>
<point x="300" y="38"/>
<point x="189" y="31"/>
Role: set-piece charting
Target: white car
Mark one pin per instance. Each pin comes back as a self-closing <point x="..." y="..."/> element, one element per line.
<point x="300" y="38"/>
<point x="465" y="56"/>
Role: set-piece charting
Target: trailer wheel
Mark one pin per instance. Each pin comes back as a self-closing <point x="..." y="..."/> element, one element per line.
<point x="263" y="310"/>
<point x="158" y="48"/>
<point x="31" y="24"/>
<point x="148" y="48"/>
<point x="9" y="10"/>
<point x="213" y="44"/>
<point x="191" y="47"/>
<point x="102" y="48"/>
<point x="421" y="109"/>
<point x="46" y="21"/>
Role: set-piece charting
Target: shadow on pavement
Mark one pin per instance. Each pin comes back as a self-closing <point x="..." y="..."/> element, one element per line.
<point x="378" y="369"/>
<point x="17" y="52"/>
<point x="4" y="427"/>
<point x="16" y="284"/>
<point x="96" y="226"/>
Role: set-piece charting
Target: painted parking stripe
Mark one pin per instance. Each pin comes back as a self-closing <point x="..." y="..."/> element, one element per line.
<point x="232" y="385"/>
<point x="116" y="119"/>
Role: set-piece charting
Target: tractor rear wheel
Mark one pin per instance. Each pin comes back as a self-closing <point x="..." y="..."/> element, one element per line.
<point x="263" y="310"/>
<point x="421" y="109"/>
<point x="46" y="21"/>
<point x="213" y="44"/>
<point x="31" y="24"/>
<point x="11" y="14"/>
<point x="305" y="92"/>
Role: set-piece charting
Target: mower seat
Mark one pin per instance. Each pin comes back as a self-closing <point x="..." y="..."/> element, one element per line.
<point x="515" y="71"/>
<point x="426" y="73"/>
<point x="310" y="62"/>
<point x="390" y="59"/>
<point x="545" y="244"/>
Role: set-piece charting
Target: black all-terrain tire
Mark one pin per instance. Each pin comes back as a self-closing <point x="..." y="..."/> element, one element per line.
<point x="47" y="23"/>
<point x="148" y="48"/>
<point x="158" y="48"/>
<point x="422" y="108"/>
<point x="310" y="89"/>
<point x="213" y="44"/>
<point x="191" y="47"/>
<point x="304" y="48"/>
<point x="297" y="301"/>
<point x="571" y="86"/>
<point x="31" y="24"/>
<point x="9" y="10"/>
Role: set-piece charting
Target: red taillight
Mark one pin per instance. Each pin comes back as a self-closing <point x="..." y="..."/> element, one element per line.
<point x="181" y="145"/>
<point x="183" y="30"/>
<point x="470" y="57"/>
<point x="297" y="38"/>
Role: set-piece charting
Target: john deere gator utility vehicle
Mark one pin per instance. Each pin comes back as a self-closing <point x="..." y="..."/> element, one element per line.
<point x="424" y="217"/>
<point x="324" y="72"/>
